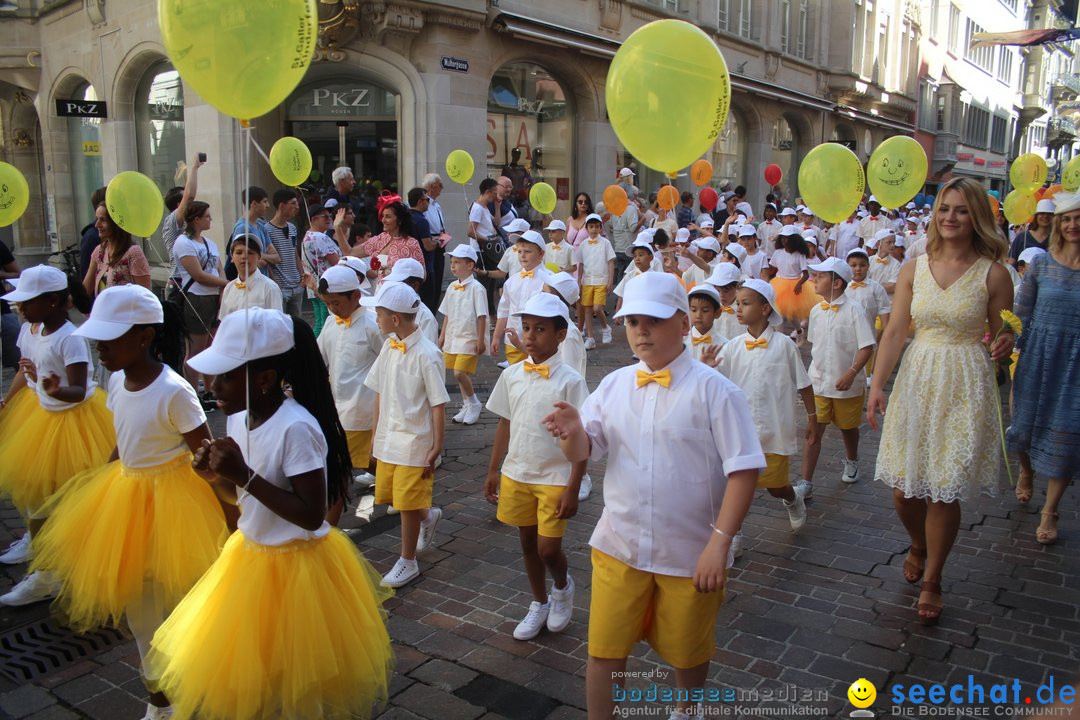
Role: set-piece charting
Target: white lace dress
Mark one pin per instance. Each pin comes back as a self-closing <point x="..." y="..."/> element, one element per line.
<point x="940" y="439"/>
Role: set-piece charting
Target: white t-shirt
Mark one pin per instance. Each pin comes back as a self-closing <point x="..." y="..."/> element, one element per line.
<point x="205" y="254"/>
<point x="872" y="296"/>
<point x="562" y="255"/>
<point x="150" y="423"/>
<point x="788" y="265"/>
<point x="462" y="304"/>
<point x="288" y="444"/>
<point x="349" y="352"/>
<point x="259" y="291"/>
<point x="482" y="217"/>
<point x="593" y="258"/>
<point x="845" y="237"/>
<point x="754" y="265"/>
<point x="837" y="335"/>
<point x="885" y="270"/>
<point x="51" y="354"/>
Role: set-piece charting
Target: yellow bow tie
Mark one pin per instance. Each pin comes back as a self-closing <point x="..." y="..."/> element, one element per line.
<point x="856" y="284"/>
<point x="826" y="307"/>
<point x="702" y="339"/>
<point x="759" y="343"/>
<point x="397" y="345"/>
<point x="662" y="378"/>
<point x="542" y="370"/>
<point x="593" y="242"/>
<point x="882" y="261"/>
<point x="239" y="284"/>
<point x="527" y="273"/>
<point x="458" y="286"/>
<point x="347" y="322"/>
<point x="556" y="246"/>
<point x="727" y="309"/>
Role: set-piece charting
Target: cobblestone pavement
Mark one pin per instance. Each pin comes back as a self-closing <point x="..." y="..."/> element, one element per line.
<point x="805" y="614"/>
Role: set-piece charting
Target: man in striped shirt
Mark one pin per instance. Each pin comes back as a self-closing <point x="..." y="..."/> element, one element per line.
<point x="282" y="233"/>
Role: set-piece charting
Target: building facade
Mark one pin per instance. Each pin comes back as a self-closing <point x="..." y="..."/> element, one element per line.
<point x="87" y="91"/>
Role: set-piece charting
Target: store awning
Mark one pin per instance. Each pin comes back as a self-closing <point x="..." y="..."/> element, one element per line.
<point x="557" y="35"/>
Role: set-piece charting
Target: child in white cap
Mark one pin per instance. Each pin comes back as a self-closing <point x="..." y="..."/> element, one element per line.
<point x="725" y="278"/>
<point x="529" y="478"/>
<point x="871" y="295"/>
<point x="704" y="303"/>
<point x="884" y="267"/>
<point x="463" y="337"/>
<point x="644" y="260"/>
<point x="755" y="262"/>
<point x="703" y="253"/>
<point x="519" y="287"/>
<point x="596" y="258"/>
<point x="683" y="459"/>
<point x="412" y="273"/>
<point x="559" y="253"/>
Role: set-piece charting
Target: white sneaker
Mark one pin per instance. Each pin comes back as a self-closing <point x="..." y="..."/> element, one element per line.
<point x="403" y="573"/>
<point x="533" y="622"/>
<point x="35" y="587"/>
<point x="158" y="713"/>
<point x="502" y="365"/>
<point x="427" y="529"/>
<point x="560" y="606"/>
<point x="590" y="344"/>
<point x="851" y="471"/>
<point x="796" y="510"/>
<point x="18" y="552"/>
<point x="585" y="488"/>
<point x="391" y="510"/>
<point x="472" y="413"/>
<point x="605" y="335"/>
<point x="804" y="487"/>
<point x="737" y="545"/>
<point x="461" y="413"/>
<point x="364" y="479"/>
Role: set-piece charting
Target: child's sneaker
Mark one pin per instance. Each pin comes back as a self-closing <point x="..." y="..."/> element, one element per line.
<point x="35" y="587"/>
<point x="472" y="413"/>
<point x="18" y="552"/>
<point x="363" y="479"/>
<point x="851" y="471"/>
<point x="153" y="712"/>
<point x="533" y="622"/>
<point x="403" y="573"/>
<point x="796" y="510"/>
<point x="585" y="488"/>
<point x="560" y="606"/>
<point x="805" y="487"/>
<point x="391" y="510"/>
<point x="590" y="344"/>
<point x="605" y="335"/>
<point x="427" y="529"/>
<point x="461" y="413"/>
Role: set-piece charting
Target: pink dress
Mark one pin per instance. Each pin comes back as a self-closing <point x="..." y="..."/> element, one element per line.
<point x="575" y="236"/>
<point x="131" y="263"/>
<point x="393" y="248"/>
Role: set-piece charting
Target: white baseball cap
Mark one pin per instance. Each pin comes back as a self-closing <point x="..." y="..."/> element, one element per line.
<point x="744" y="208"/>
<point x="706" y="222"/>
<point x="788" y="212"/>
<point x="872" y="243"/>
<point x="330" y="203"/>
<point x="724" y="274"/>
<point x="564" y="284"/>
<point x="708" y="243"/>
<point x="245" y="336"/>
<point x="556" y="225"/>
<point x="737" y="250"/>
<point x="644" y="243"/>
<point x="531" y="236"/>
<point x="747" y="230"/>
<point x="405" y="268"/>
<point x="395" y="297"/>
<point x="544" y="305"/>
<point x="593" y="216"/>
<point x="682" y="235"/>
<point x="705" y="289"/>
<point x="899" y="241"/>
<point x="465" y="252"/>
<point x="339" y="279"/>
<point x="882" y="234"/>
<point x="910" y="206"/>
<point x="655" y="294"/>
<point x="766" y="291"/>
<point x="808" y="211"/>
<point x="1030" y="254"/>
<point x="360" y="267"/>
<point x="118" y="309"/>
<point x="858" y="251"/>
<point x="1046" y="205"/>
<point x="833" y="265"/>
<point x="800" y="208"/>
<point x="517" y="225"/>
<point x="789" y="230"/>
<point x="626" y="172"/>
<point x="872" y="199"/>
<point x="36" y="281"/>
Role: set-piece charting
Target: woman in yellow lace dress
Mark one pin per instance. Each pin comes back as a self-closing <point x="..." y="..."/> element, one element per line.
<point x="939" y="441"/>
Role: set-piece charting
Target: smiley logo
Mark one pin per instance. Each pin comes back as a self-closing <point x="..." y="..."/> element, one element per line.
<point x="862" y="693"/>
<point x="892" y="169"/>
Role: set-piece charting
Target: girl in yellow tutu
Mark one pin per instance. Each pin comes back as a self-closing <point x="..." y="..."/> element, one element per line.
<point x="288" y="623"/>
<point x="128" y="540"/>
<point x="53" y="422"/>
<point x="789" y="261"/>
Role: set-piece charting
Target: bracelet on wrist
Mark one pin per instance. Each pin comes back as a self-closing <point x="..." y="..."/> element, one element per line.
<point x="246" y="485"/>
<point x="720" y="532"/>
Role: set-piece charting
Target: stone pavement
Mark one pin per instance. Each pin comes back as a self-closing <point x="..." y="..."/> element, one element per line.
<point x="806" y="614"/>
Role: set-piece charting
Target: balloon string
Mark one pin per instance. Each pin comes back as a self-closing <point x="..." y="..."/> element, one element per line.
<point x="245" y="163"/>
<point x="255" y="144"/>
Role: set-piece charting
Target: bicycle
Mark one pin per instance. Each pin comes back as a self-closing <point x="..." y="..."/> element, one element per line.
<point x="70" y="257"/>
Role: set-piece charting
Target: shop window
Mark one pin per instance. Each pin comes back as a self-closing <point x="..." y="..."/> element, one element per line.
<point x="159" y="136"/>
<point x="84" y="156"/>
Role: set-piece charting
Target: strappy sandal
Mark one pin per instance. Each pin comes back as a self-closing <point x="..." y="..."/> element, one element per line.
<point x="913" y="572"/>
<point x="1025" y="490"/>
<point x="1047" y="537"/>
<point x="930" y="613"/>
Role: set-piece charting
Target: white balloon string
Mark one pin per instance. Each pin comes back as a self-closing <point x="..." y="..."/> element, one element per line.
<point x="245" y="164"/>
<point x="259" y="149"/>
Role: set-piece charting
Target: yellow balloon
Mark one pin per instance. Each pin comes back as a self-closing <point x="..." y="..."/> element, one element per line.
<point x="668" y="94"/>
<point x="896" y="171"/>
<point x="14" y="194"/>
<point x="1070" y="176"/>
<point x="1028" y="172"/>
<point x="134" y="203"/>
<point x="553" y="267"/>
<point x="1019" y="206"/>
<point x="290" y="161"/>
<point x="831" y="181"/>
<point x="244" y="58"/>
<point x="542" y="198"/>
<point x="459" y="166"/>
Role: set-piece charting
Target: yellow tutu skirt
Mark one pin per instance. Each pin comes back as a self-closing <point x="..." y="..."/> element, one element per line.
<point x="116" y="533"/>
<point x="292" y="631"/>
<point x="43" y="449"/>
<point x="791" y="305"/>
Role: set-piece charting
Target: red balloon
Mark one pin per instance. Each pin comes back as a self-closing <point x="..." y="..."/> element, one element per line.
<point x="773" y="173"/>
<point x="708" y="198"/>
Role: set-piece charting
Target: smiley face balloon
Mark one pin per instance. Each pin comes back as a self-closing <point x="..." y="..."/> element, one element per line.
<point x="1070" y="176"/>
<point x="14" y="194"/>
<point x="896" y="171"/>
<point x="862" y="693"/>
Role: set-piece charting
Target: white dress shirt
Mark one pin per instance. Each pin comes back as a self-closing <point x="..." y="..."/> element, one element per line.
<point x="715" y="337"/>
<point x="767" y="230"/>
<point x="572" y="350"/>
<point x="462" y="304"/>
<point x="561" y="254"/>
<point x="668" y="450"/>
<point x="872" y="296"/>
<point x="259" y="291"/>
<point x="425" y="319"/>
<point x="727" y="323"/>
<point x="845" y="237"/>
<point x="510" y="262"/>
<point x="837" y="335"/>
<point x="885" y="272"/>
<point x="434" y="216"/>
<point x="516" y="292"/>
<point x="349" y="351"/>
<point x="871" y="224"/>
<point x="593" y="258"/>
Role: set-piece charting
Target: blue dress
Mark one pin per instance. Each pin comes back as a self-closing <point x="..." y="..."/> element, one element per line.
<point x="1046" y="389"/>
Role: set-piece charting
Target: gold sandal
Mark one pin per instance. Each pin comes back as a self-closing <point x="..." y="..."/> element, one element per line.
<point x="1023" y="494"/>
<point x="1047" y="537"/>
<point x="913" y="572"/>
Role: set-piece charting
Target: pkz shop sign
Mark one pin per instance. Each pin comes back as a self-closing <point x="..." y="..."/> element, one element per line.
<point x="81" y="108"/>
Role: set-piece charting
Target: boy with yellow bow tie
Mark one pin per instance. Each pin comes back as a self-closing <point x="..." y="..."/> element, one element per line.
<point x="463" y="338"/>
<point x="517" y="290"/>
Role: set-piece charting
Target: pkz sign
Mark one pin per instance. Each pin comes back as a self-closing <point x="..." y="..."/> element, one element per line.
<point x="81" y="108"/>
<point x="341" y="101"/>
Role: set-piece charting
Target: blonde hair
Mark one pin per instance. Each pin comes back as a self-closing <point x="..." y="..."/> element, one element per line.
<point x="987" y="239"/>
<point x="1056" y="242"/>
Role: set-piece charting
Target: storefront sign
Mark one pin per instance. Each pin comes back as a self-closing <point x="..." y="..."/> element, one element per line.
<point x="996" y="163"/>
<point x="336" y="101"/>
<point x="980" y="161"/>
<point x="562" y="188"/>
<point x="453" y="63"/>
<point x="964" y="157"/>
<point x="81" y="108"/>
<point x="91" y="148"/>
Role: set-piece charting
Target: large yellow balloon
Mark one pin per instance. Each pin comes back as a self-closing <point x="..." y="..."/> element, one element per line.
<point x="668" y="94"/>
<point x="290" y="161"/>
<point x="244" y="58"/>
<point x="14" y="194"/>
<point x="134" y="203"/>
<point x="896" y="171"/>
<point x="1019" y="206"/>
<point x="542" y="198"/>
<point x="831" y="181"/>
<point x="1070" y="176"/>
<point x="459" y="166"/>
<point x="1028" y="173"/>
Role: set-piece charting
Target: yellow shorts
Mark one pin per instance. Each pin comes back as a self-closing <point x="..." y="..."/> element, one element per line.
<point x="513" y="355"/>
<point x="524" y="504"/>
<point x="775" y="474"/>
<point x="403" y="486"/>
<point x="845" y="413"/>
<point x="593" y="295"/>
<point x="461" y="363"/>
<point x="629" y="605"/>
<point x="359" y="447"/>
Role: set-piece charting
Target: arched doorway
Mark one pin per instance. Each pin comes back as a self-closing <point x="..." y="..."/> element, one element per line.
<point x="845" y="135"/>
<point x="84" y="156"/>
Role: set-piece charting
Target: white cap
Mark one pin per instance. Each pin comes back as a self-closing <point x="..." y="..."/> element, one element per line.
<point x="565" y="284"/>
<point x="928" y="206"/>
<point x="788" y="212"/>
<point x="744" y="208"/>
<point x="913" y="218"/>
<point x="747" y="230"/>
<point x="118" y="309"/>
<point x="517" y="225"/>
<point x="800" y="208"/>
<point x="740" y="219"/>
<point x="811" y="239"/>
<point x="395" y="297"/>
<point x="36" y="281"/>
<point x="339" y="279"/>
<point x="724" y="274"/>
<point x="682" y="235"/>
<point x="705" y="289"/>
<point x="658" y="295"/>
<point x="593" y="216"/>
<point x="834" y="265"/>
<point x="556" y="225"/>
<point x="789" y="230"/>
<point x="708" y="243"/>
<point x="766" y="291"/>
<point x="243" y="337"/>
<point x="360" y="267"/>
<point x="808" y="211"/>
<point x="861" y="214"/>
<point x="626" y="172"/>
<point x="706" y="222"/>
<point x="645" y="236"/>
<point x="330" y="203"/>
<point x="910" y="206"/>
<point x="405" y="268"/>
<point x="645" y="243"/>
<point x="544" y="305"/>
<point x="1030" y="254"/>
<point x="858" y="251"/>
<point x="464" y="251"/>
<point x="737" y="250"/>
<point x="1046" y="205"/>
<point x="810" y="232"/>
<point x="531" y="236"/>
<point x="872" y="243"/>
<point x="872" y="199"/>
<point x="899" y="241"/>
<point x="882" y="234"/>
